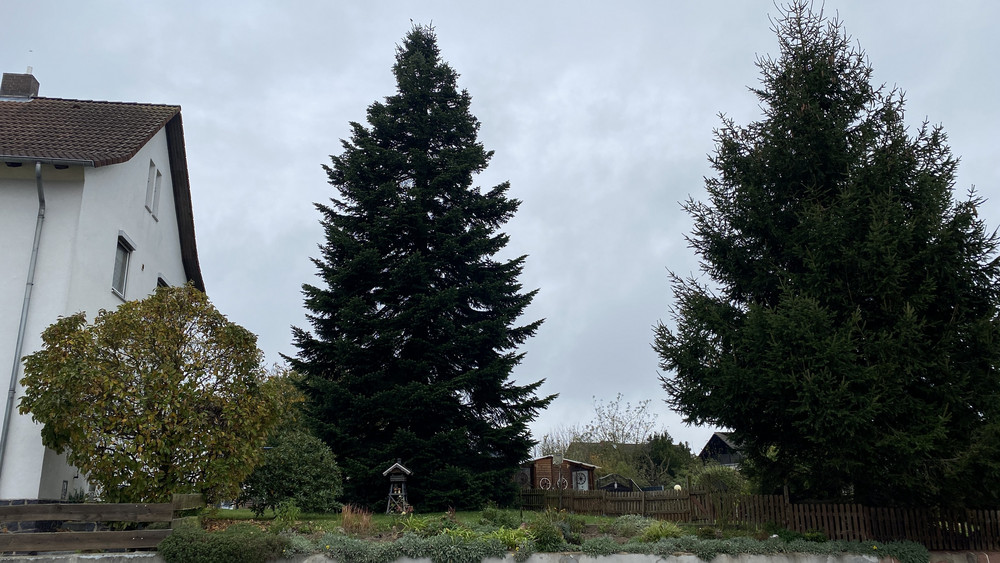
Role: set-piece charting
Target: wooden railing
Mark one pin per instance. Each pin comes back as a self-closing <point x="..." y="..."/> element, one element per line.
<point x="937" y="529"/>
<point x="92" y="512"/>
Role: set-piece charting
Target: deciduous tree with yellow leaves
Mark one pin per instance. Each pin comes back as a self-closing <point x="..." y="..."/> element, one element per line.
<point x="161" y="396"/>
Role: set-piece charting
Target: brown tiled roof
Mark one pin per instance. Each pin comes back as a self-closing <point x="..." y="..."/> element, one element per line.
<point x="99" y="133"/>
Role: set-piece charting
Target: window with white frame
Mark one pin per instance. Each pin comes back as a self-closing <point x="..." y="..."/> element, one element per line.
<point x="123" y="253"/>
<point x="153" y="182"/>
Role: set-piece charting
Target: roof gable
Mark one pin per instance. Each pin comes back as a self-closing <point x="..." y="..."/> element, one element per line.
<point x="720" y="443"/>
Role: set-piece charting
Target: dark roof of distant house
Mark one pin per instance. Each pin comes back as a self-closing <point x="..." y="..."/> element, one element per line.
<point x="726" y="438"/>
<point x="606" y="480"/>
<point x="92" y="133"/>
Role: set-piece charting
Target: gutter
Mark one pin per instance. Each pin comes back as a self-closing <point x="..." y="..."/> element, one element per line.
<point x="53" y="161"/>
<point x="19" y="346"/>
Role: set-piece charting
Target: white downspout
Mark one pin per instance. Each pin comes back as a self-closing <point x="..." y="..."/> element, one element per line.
<point x="19" y="346"/>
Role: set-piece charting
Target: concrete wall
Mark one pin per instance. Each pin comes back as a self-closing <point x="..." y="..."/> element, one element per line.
<point x="86" y="208"/>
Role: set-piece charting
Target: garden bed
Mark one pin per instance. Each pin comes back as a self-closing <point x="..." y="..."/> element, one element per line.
<point x="503" y="535"/>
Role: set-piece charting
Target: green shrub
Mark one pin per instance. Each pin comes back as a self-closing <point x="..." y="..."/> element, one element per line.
<point x="600" y="546"/>
<point x="427" y="527"/>
<point x="460" y="533"/>
<point x="629" y="525"/>
<point x="547" y="536"/>
<point x="241" y="543"/>
<point x="417" y="525"/>
<point x="298" y="467"/>
<point x="905" y="552"/>
<point x="659" y="530"/>
<point x="708" y="533"/>
<point x="788" y="536"/>
<point x="576" y="522"/>
<point x="296" y="544"/>
<point x="512" y="538"/>
<point x="497" y="517"/>
<point x="346" y="548"/>
<point x="285" y="516"/>
<point x="445" y="548"/>
<point x="815" y="536"/>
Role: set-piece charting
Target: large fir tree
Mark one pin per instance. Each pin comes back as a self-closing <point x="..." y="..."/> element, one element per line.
<point x="414" y="328"/>
<point x="850" y="335"/>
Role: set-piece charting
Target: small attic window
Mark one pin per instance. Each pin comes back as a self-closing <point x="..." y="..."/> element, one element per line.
<point x="153" y="182"/>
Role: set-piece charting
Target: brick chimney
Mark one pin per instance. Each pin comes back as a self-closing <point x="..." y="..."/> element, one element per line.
<point x="19" y="85"/>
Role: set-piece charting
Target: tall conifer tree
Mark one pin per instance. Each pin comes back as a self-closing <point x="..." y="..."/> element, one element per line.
<point x="414" y="332"/>
<point x="850" y="339"/>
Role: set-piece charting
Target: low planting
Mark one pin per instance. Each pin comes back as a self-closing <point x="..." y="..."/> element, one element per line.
<point x="359" y="535"/>
<point x="240" y="543"/>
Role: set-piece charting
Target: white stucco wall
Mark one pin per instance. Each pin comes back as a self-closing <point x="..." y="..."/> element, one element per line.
<point x="85" y="210"/>
<point x="63" y="190"/>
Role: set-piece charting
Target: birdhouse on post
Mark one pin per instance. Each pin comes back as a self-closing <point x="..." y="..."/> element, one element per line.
<point x="397" y="489"/>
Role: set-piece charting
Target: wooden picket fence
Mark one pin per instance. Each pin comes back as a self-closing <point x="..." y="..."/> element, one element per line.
<point x="937" y="529"/>
<point x="91" y="512"/>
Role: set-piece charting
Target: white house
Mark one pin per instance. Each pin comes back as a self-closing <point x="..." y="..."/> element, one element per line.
<point x="95" y="209"/>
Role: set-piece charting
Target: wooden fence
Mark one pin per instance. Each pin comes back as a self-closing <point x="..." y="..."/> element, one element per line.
<point x="937" y="529"/>
<point x="91" y="512"/>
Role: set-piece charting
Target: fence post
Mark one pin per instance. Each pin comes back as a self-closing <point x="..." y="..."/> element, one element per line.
<point x="785" y="508"/>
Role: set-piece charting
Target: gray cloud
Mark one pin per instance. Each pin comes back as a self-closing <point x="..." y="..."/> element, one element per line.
<point x="601" y="118"/>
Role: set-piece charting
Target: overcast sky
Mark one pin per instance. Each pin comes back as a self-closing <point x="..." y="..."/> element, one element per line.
<point x="601" y="117"/>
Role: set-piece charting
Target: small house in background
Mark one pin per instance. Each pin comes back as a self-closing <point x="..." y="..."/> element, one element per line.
<point x="722" y="449"/>
<point x="615" y="483"/>
<point x="551" y="472"/>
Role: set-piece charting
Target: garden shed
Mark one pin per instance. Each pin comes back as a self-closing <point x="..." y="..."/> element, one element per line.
<point x="550" y="472"/>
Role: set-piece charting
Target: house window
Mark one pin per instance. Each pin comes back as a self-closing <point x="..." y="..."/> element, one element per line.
<point x="153" y="182"/>
<point x="160" y="282"/>
<point x="122" y="254"/>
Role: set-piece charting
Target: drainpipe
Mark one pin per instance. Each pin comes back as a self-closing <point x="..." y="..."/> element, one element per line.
<point x="19" y="346"/>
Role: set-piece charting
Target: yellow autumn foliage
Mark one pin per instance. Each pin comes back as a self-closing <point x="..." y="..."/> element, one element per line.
<point x="160" y="396"/>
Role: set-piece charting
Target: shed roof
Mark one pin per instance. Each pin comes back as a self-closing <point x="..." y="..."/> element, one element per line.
<point x="571" y="461"/>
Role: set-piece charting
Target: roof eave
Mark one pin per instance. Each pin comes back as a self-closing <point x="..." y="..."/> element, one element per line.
<point x="182" y="201"/>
